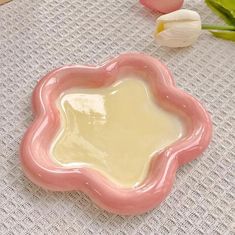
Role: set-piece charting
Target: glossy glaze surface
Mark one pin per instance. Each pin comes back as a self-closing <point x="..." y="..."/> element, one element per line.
<point x="35" y="154"/>
<point x="105" y="129"/>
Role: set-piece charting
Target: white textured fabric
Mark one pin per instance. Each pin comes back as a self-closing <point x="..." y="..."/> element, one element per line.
<point x="37" y="36"/>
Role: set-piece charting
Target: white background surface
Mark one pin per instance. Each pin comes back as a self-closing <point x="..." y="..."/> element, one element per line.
<point x="37" y="36"/>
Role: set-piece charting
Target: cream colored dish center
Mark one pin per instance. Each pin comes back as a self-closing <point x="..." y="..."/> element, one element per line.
<point x="115" y="130"/>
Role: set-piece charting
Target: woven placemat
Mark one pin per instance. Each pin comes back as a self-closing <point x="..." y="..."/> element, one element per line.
<point x="37" y="36"/>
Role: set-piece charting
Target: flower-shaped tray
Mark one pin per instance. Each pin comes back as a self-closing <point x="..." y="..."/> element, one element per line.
<point x="35" y="147"/>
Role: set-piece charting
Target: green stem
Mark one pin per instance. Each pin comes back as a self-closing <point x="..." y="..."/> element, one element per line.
<point x="218" y="27"/>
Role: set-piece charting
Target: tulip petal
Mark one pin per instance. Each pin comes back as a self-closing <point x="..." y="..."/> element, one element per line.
<point x="164" y="6"/>
<point x="180" y="15"/>
<point x="178" y="29"/>
<point x="179" y="34"/>
<point x="176" y="38"/>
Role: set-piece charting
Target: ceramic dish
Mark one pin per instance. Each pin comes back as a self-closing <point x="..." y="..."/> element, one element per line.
<point x="36" y="155"/>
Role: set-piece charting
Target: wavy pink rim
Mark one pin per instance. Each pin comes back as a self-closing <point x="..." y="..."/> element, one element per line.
<point x="37" y="140"/>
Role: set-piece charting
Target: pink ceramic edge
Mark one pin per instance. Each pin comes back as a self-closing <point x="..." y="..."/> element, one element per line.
<point x="163" y="167"/>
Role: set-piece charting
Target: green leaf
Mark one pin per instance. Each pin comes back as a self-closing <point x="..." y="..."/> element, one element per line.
<point x="227" y="35"/>
<point x="224" y="9"/>
<point x="227" y="4"/>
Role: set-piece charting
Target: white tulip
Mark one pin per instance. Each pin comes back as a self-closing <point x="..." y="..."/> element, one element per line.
<point x="178" y="29"/>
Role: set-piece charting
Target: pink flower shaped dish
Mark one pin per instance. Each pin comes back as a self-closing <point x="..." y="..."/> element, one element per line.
<point x="90" y="84"/>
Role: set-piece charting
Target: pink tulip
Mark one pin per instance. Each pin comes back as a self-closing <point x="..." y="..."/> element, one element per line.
<point x="163" y="6"/>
